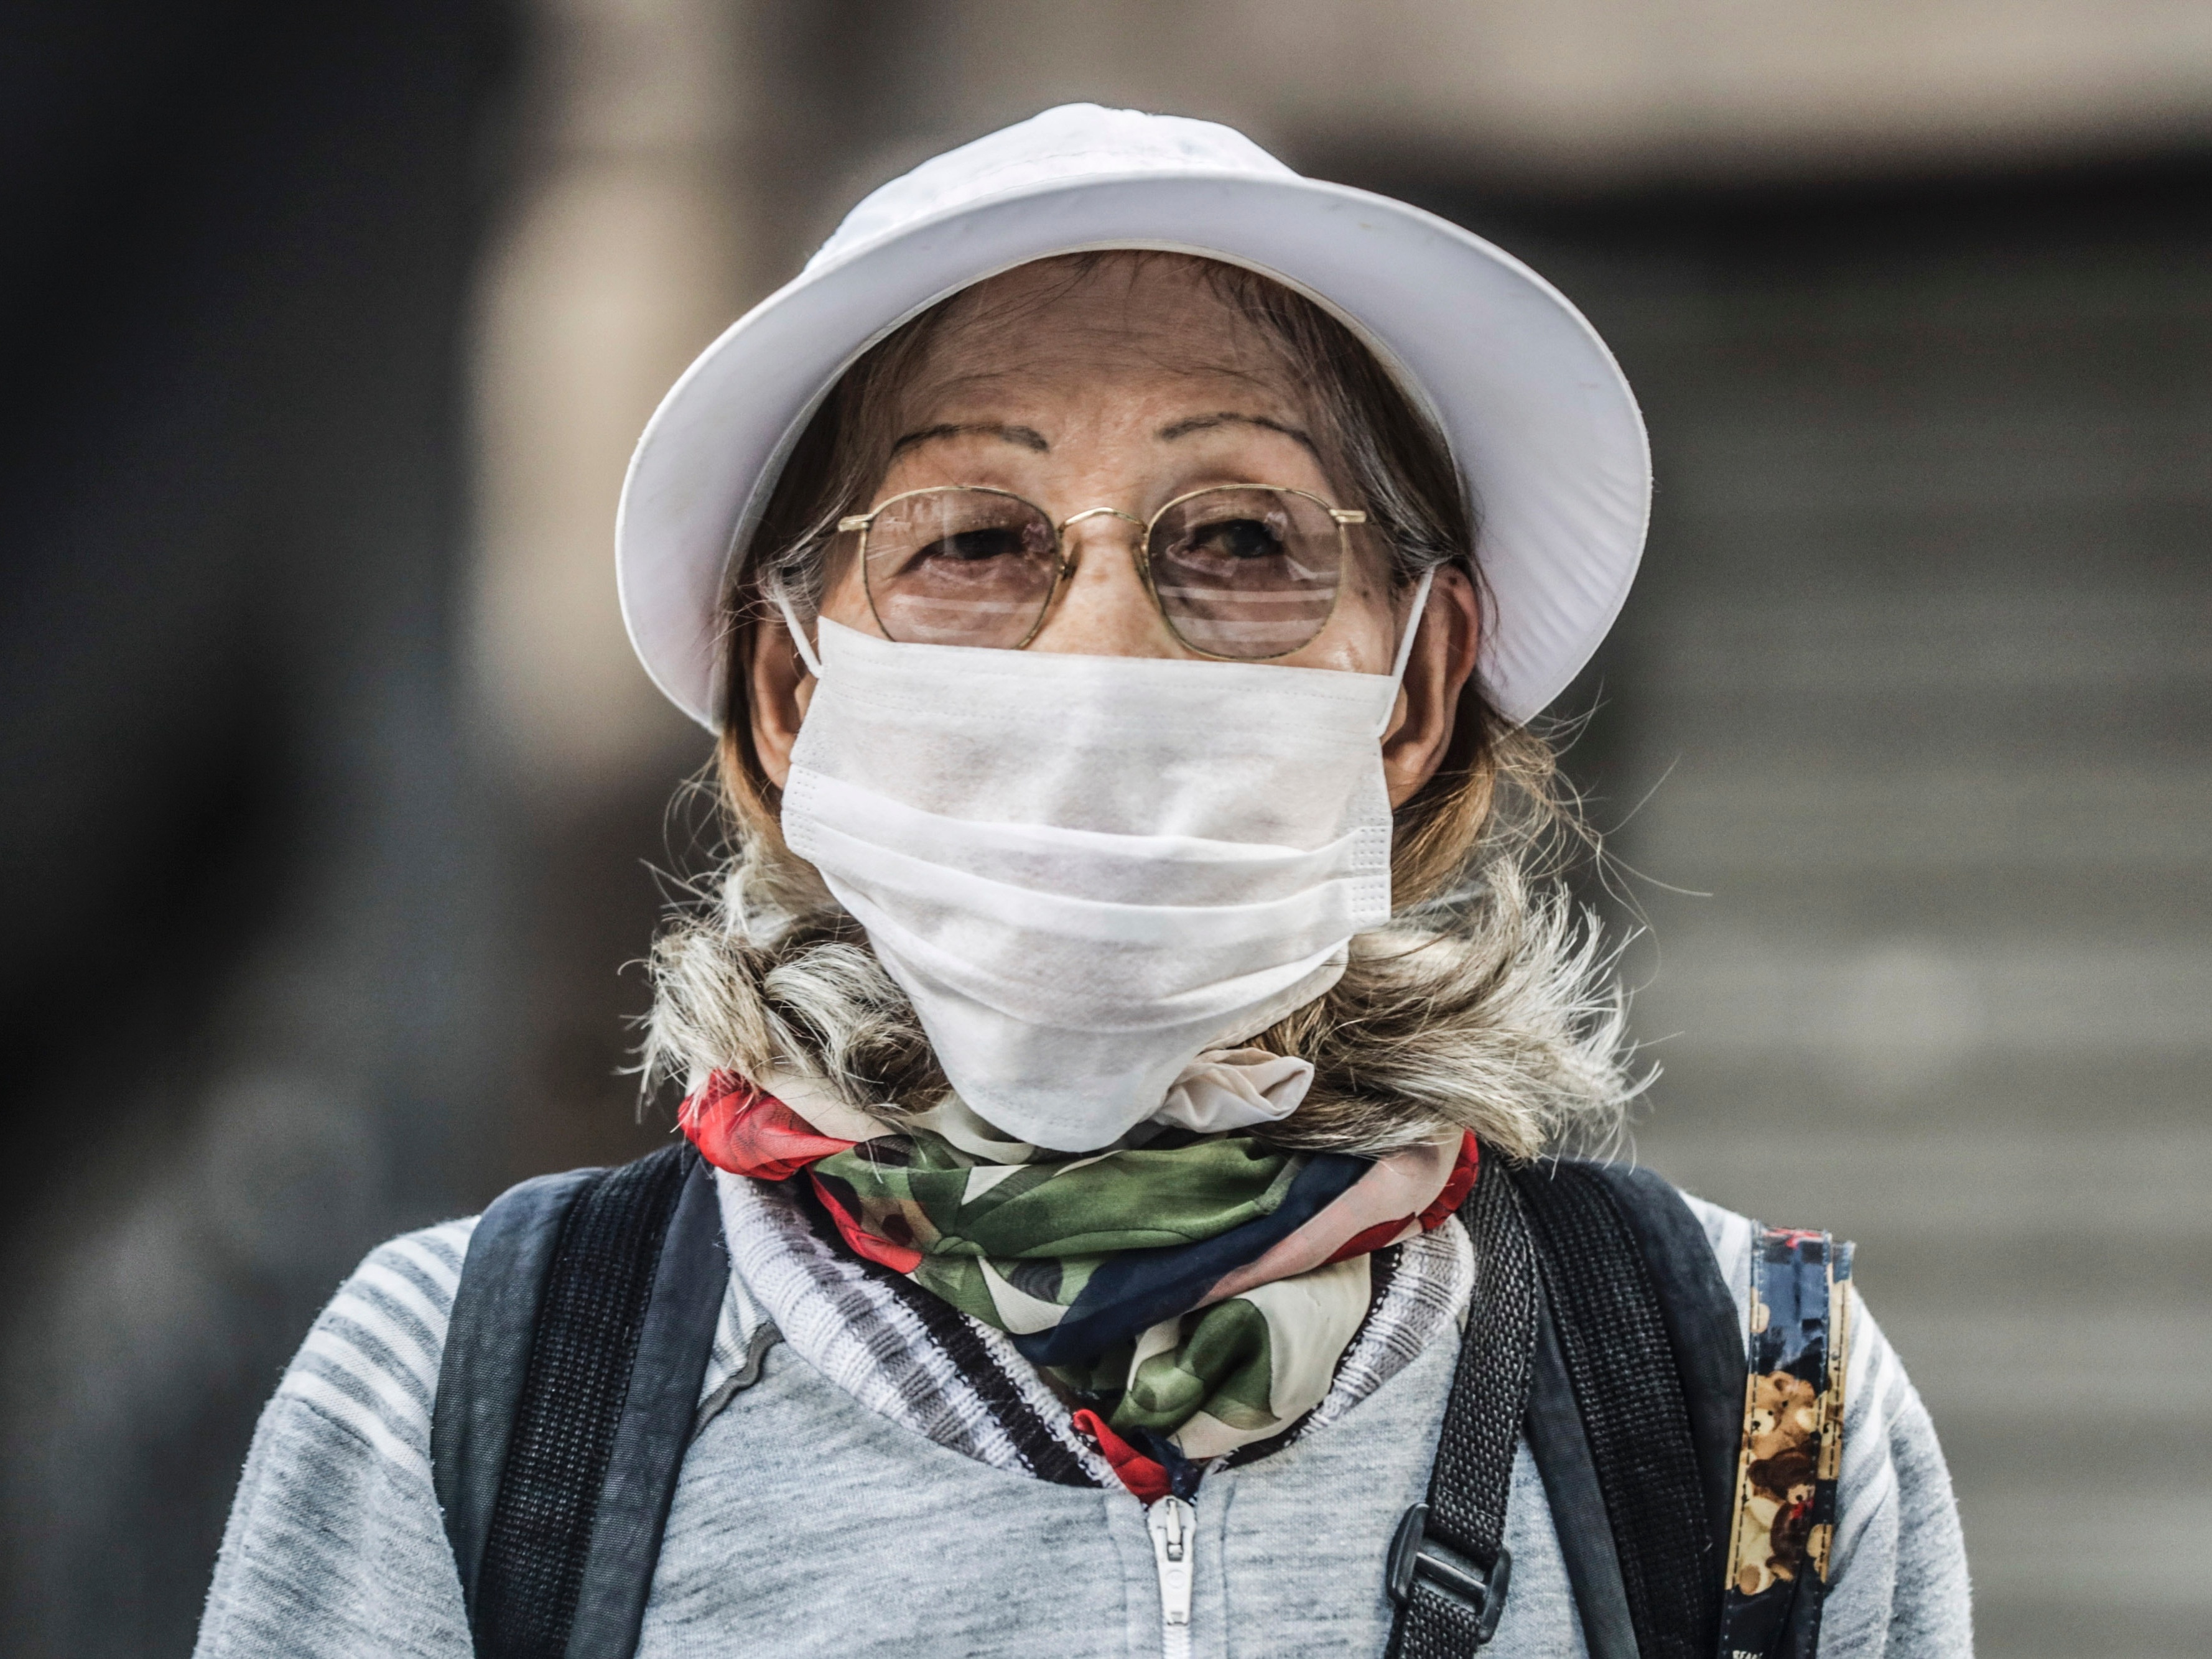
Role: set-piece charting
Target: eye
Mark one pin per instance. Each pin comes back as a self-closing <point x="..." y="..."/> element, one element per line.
<point x="1235" y="538"/>
<point x="973" y="546"/>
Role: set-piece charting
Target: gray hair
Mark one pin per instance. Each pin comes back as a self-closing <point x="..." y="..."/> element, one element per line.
<point x="1499" y="1013"/>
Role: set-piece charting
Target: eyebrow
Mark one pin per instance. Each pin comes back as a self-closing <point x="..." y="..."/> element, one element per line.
<point x="1027" y="436"/>
<point x="1230" y="418"/>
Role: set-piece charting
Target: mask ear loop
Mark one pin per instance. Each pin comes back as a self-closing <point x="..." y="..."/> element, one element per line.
<point x="1406" y="646"/>
<point x="806" y="647"/>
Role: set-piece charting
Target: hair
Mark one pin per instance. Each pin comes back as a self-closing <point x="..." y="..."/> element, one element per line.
<point x="764" y="972"/>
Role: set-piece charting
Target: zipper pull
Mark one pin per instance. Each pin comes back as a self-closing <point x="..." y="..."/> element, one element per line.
<point x="1170" y="1522"/>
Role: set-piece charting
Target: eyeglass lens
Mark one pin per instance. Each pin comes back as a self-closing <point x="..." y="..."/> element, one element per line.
<point x="1243" y="571"/>
<point x="960" y="567"/>
<point x="1246" y="572"/>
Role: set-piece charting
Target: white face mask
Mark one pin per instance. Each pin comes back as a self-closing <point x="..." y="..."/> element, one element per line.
<point x="1085" y="869"/>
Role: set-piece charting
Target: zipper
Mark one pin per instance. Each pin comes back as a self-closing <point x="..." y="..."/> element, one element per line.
<point x="1175" y="1537"/>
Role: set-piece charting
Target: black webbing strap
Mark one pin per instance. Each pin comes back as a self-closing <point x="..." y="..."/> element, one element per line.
<point x="1704" y="1329"/>
<point x="658" y="1416"/>
<point x="1600" y="1327"/>
<point x="556" y="1472"/>
<point x="1576" y="1501"/>
<point x="1448" y="1569"/>
<point x="1619" y="1361"/>
<point x="487" y="1354"/>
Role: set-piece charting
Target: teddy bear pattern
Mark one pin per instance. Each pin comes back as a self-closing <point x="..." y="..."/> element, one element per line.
<point x="1782" y="1453"/>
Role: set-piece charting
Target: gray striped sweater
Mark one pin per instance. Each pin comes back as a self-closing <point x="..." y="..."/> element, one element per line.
<point x="892" y="1478"/>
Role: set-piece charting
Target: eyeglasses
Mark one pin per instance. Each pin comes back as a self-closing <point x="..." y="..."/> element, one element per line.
<point x="1247" y="571"/>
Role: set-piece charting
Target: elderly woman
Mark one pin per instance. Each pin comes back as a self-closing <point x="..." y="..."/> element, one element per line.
<point x="1120" y="1206"/>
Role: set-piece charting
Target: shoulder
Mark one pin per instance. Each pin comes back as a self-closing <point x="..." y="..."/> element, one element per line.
<point x="335" y="1546"/>
<point x="1730" y="1235"/>
<point x="369" y="1369"/>
<point x="369" y="1365"/>
<point x="1874" y="1384"/>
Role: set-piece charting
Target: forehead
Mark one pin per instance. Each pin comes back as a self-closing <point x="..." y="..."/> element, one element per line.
<point x="1152" y="316"/>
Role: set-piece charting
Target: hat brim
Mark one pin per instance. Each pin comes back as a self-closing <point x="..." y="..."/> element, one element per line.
<point x="1538" y="415"/>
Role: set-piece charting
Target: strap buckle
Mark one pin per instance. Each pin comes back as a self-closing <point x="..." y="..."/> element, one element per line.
<point x="1414" y="1555"/>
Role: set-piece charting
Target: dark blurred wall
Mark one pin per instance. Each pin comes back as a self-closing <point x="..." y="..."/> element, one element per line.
<point x="677" y="160"/>
<point x="244" y="877"/>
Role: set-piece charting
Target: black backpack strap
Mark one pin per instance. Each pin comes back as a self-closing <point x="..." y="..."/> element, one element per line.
<point x="1619" y="1360"/>
<point x="1448" y="1569"/>
<point x="579" y="1340"/>
<point x="487" y="1353"/>
<point x="670" y="1367"/>
<point x="1704" y="1328"/>
<point x="1578" y="1502"/>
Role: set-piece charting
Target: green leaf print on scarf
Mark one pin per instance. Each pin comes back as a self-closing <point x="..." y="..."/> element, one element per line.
<point x="1221" y="1366"/>
<point x="929" y="1195"/>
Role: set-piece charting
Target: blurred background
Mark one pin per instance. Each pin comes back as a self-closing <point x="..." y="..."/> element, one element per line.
<point x="333" y="797"/>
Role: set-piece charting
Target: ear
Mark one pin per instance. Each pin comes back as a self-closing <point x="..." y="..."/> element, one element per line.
<point x="779" y="687"/>
<point x="1442" y="663"/>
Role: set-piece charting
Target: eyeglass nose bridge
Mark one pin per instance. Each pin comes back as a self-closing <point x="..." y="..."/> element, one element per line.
<point x="1102" y="513"/>
<point x="1068" y="555"/>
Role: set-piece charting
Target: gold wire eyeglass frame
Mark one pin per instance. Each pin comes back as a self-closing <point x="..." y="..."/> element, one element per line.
<point x="860" y="523"/>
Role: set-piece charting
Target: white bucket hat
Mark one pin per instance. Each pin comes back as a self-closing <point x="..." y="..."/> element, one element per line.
<point x="1537" y="413"/>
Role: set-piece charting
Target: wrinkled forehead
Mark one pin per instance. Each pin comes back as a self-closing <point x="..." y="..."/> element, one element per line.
<point x="1086" y="319"/>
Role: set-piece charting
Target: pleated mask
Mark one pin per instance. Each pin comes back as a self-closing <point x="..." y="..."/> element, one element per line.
<point x="1083" y="871"/>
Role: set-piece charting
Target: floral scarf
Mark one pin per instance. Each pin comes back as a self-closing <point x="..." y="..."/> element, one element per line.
<point x="1188" y="1295"/>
